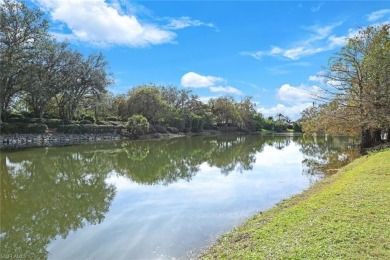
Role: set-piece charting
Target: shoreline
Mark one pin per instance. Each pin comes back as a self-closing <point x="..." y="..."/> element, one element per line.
<point x="342" y="216"/>
<point x="21" y="141"/>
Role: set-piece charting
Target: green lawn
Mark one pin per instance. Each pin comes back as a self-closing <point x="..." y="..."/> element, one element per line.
<point x="345" y="216"/>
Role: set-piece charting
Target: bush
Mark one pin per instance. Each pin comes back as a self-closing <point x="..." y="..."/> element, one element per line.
<point x="112" y="119"/>
<point x="85" y="122"/>
<point x="103" y="123"/>
<point x="89" y="118"/>
<point x="89" y="129"/>
<point x="152" y="130"/>
<point x="23" y="128"/>
<point x="19" y="120"/>
<point x="54" y="123"/>
<point x="27" y="114"/>
<point x="15" y="115"/>
<point x="173" y="130"/>
<point x="36" y="128"/>
<point x="69" y="129"/>
<point x="48" y="115"/>
<point x="178" y="123"/>
<point x="8" y="128"/>
<point x="297" y="127"/>
<point x="160" y="129"/>
<point x="137" y="125"/>
<point x="197" y="124"/>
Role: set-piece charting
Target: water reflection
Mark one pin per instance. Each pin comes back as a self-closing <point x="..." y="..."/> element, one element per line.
<point x="45" y="198"/>
<point x="47" y="193"/>
<point x="326" y="154"/>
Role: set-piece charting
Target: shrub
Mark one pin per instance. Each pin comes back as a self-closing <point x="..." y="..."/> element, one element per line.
<point x="48" y="115"/>
<point x="178" y="123"/>
<point x="53" y="123"/>
<point x="112" y="119"/>
<point x="89" y="118"/>
<point x="197" y="124"/>
<point x="297" y="127"/>
<point x="85" y="122"/>
<point x="69" y="129"/>
<point x="152" y="130"/>
<point x="27" y="114"/>
<point x="160" y="129"/>
<point x="137" y="125"/>
<point x="103" y="123"/>
<point x="8" y="128"/>
<point x="14" y="114"/>
<point x="36" y="128"/>
<point x="173" y="130"/>
<point x="23" y="128"/>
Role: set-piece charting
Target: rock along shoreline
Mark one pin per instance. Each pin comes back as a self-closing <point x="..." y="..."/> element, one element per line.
<point x="21" y="141"/>
<point x="17" y="141"/>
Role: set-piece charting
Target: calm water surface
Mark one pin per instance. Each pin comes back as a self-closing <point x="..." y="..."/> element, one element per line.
<point x="157" y="199"/>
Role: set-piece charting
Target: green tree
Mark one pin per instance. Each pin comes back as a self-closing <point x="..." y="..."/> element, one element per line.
<point x="358" y="77"/>
<point x="147" y="101"/>
<point x="20" y="30"/>
<point x="248" y="114"/>
<point x="49" y="74"/>
<point x="88" y="78"/>
<point x="226" y="111"/>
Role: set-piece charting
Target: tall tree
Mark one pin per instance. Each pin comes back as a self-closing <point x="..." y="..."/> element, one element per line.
<point x="50" y="72"/>
<point x="226" y="111"/>
<point x="147" y="101"/>
<point x="89" y="77"/>
<point x="358" y="76"/>
<point x="20" y="30"/>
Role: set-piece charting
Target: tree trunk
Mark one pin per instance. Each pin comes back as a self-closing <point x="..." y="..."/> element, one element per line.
<point x="1" y="113"/>
<point x="376" y="137"/>
<point x="388" y="135"/>
<point x="365" y="140"/>
<point x="369" y="138"/>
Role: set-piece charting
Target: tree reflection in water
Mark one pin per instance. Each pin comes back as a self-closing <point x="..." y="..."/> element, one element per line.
<point x="326" y="154"/>
<point x="44" y="194"/>
<point x="49" y="192"/>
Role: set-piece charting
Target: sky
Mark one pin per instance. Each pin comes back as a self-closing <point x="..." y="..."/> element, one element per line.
<point x="272" y="51"/>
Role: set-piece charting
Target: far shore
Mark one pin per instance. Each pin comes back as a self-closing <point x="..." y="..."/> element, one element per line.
<point x="53" y="138"/>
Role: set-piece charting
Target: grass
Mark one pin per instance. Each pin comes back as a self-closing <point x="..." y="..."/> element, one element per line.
<point x="345" y="216"/>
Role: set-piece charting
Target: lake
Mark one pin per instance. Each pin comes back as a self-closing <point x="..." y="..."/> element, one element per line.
<point x="151" y="199"/>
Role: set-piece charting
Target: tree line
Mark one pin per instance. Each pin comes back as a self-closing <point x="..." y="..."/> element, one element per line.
<point x="43" y="78"/>
<point x="40" y="72"/>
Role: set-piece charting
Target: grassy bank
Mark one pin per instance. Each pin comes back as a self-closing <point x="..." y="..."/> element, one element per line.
<point x="345" y="216"/>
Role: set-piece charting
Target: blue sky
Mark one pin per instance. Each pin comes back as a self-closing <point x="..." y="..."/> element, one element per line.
<point x="270" y="50"/>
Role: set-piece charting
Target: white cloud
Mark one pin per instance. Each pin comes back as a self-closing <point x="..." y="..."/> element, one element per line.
<point x="227" y="90"/>
<point x="295" y="95"/>
<point x="276" y="50"/>
<point x="319" y="40"/>
<point x="206" y="99"/>
<point x="293" y="112"/>
<point x="184" y="22"/>
<point x="95" y="21"/>
<point x="257" y="54"/>
<point x="298" y="52"/>
<point x="318" y="77"/>
<point x="375" y="16"/>
<point x="195" y="80"/>
<point x="316" y="8"/>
